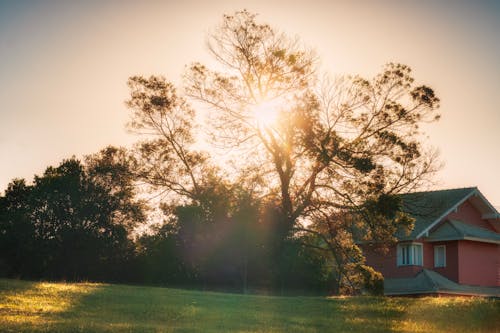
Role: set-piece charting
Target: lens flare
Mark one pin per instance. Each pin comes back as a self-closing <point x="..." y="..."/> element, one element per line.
<point x="266" y="113"/>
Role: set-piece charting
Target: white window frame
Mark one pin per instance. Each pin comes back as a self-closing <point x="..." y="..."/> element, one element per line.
<point x="436" y="259"/>
<point x="410" y="254"/>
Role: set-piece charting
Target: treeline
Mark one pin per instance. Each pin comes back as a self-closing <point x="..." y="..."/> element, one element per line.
<point x="76" y="222"/>
<point x="232" y="255"/>
<point x="73" y="222"/>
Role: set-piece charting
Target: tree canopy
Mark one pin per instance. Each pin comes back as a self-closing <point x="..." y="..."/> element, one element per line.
<point x="330" y="156"/>
<point x="73" y="222"/>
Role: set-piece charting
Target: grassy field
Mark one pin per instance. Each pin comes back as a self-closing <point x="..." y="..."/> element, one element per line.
<point x="86" y="307"/>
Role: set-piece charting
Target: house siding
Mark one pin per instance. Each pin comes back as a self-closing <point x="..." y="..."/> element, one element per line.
<point x="428" y="255"/>
<point x="467" y="262"/>
<point x="387" y="263"/>
<point x="498" y="265"/>
<point x="451" y="269"/>
<point x="470" y="215"/>
<point x="478" y="263"/>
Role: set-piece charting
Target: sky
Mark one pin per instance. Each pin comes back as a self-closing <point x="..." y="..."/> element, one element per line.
<point x="64" y="67"/>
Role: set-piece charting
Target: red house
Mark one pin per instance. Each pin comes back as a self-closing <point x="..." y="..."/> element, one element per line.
<point x="454" y="247"/>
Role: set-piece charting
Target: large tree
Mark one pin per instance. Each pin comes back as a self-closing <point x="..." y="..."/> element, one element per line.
<point x="330" y="157"/>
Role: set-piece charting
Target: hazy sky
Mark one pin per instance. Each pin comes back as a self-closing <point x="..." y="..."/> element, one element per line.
<point x="64" y="67"/>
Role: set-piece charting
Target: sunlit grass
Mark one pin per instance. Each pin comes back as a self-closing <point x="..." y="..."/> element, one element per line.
<point x="25" y="304"/>
<point x="83" y="307"/>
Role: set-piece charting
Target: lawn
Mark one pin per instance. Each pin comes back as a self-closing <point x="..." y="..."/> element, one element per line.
<point x="87" y="307"/>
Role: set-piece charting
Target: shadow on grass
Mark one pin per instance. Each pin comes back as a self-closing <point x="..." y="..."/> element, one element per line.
<point x="59" y="307"/>
<point x="114" y="308"/>
<point x="145" y="309"/>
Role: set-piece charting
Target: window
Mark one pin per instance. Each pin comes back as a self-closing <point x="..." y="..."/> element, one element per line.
<point x="409" y="254"/>
<point x="440" y="256"/>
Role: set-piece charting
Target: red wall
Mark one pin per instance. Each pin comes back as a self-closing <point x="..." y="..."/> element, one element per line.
<point x="428" y="255"/>
<point x="387" y="263"/>
<point x="478" y="263"/>
<point x="451" y="269"/>
<point x="467" y="262"/>
<point x="468" y="214"/>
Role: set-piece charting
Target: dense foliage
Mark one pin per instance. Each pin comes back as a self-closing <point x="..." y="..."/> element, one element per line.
<point x="76" y="222"/>
<point x="322" y="158"/>
<point x="73" y="222"/>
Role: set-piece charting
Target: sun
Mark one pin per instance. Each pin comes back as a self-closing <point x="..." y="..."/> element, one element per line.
<point x="266" y="113"/>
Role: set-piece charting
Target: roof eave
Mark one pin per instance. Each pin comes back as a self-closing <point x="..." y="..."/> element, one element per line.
<point x="474" y="239"/>
<point x="439" y="292"/>
<point x="491" y="216"/>
<point x="449" y="211"/>
<point x="493" y="210"/>
<point x="482" y="240"/>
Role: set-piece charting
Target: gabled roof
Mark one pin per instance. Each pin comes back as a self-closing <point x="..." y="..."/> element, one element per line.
<point x="428" y="208"/>
<point x="456" y="230"/>
<point x="430" y="282"/>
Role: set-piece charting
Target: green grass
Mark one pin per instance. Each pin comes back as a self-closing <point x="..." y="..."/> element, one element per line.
<point x="87" y="307"/>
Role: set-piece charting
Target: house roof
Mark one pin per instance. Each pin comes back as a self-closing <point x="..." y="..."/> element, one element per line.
<point x="428" y="208"/>
<point x="430" y="282"/>
<point x="457" y="230"/>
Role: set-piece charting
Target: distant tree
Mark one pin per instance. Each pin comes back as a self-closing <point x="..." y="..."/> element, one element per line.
<point x="330" y="158"/>
<point x="112" y="171"/>
<point x="246" y="241"/>
<point x="74" y="219"/>
<point x="18" y="253"/>
<point x="217" y="235"/>
<point x="159" y="260"/>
